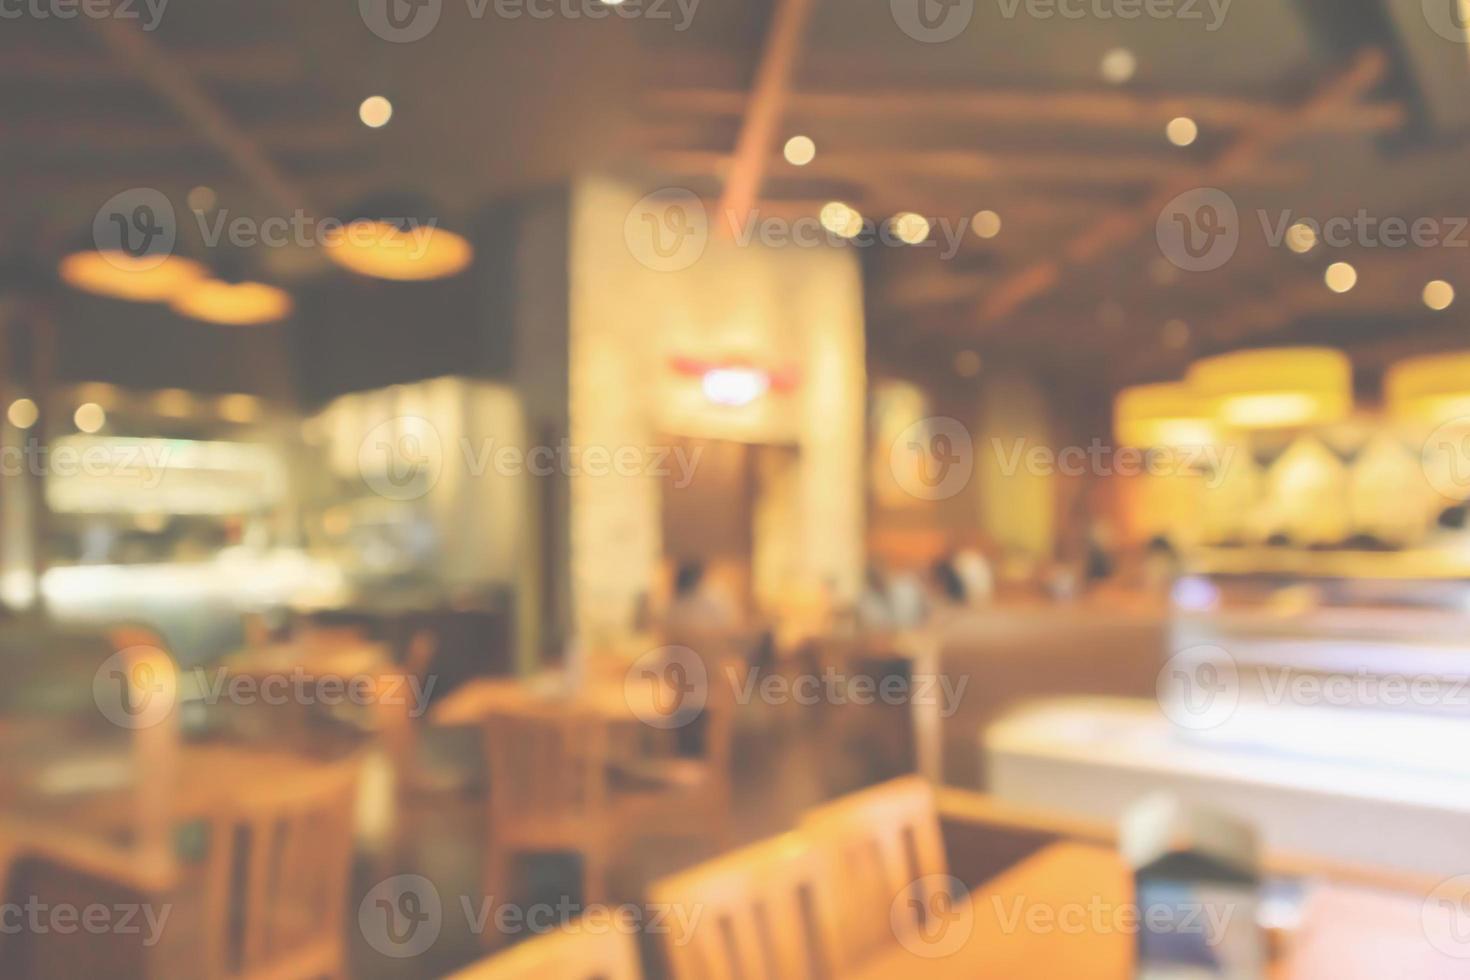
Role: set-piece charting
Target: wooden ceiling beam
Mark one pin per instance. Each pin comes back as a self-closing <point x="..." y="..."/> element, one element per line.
<point x="766" y="105"/>
<point x="1076" y="108"/>
<point x="1240" y="159"/>
<point x="1088" y="169"/>
<point x="176" y="86"/>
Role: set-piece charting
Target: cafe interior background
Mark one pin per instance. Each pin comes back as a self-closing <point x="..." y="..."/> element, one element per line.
<point x="691" y="489"/>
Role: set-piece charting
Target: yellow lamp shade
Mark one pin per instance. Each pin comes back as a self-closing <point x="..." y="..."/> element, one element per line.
<point x="1275" y="387"/>
<point x="385" y="251"/>
<point x="1434" y="388"/>
<point x="148" y="279"/>
<point x="1161" y="415"/>
<point x="233" y="304"/>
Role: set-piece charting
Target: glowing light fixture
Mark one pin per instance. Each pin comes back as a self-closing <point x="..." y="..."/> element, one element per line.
<point x="910" y="228"/>
<point x="1118" y="66"/>
<point x="173" y="403"/>
<point x="800" y="151"/>
<point x="237" y="304"/>
<point x="400" y="251"/>
<point x="1182" y="131"/>
<point x="1433" y="388"/>
<point x="202" y="198"/>
<point x="986" y="224"/>
<point x="1300" y="238"/>
<point x="1169" y="414"/>
<point x="89" y="417"/>
<point x="239" y="408"/>
<point x="967" y="364"/>
<point x="1438" y="294"/>
<point x="1340" y="277"/>
<point x="149" y="279"/>
<point x="840" y="219"/>
<point x="375" y="111"/>
<point x="23" y="413"/>
<point x="1275" y="387"/>
<point x="734" y="386"/>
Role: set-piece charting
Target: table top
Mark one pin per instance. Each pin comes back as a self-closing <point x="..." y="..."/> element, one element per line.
<point x="1076" y="893"/>
<point x="610" y="698"/>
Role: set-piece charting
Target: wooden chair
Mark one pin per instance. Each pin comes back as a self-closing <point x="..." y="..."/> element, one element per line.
<point x="881" y="843"/>
<point x="760" y="913"/>
<point x="573" y="955"/>
<point x="277" y="877"/>
<point x="548" y="792"/>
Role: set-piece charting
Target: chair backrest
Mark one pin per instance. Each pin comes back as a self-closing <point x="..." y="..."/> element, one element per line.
<point x="887" y="858"/>
<point x="545" y="764"/>
<point x="278" y="875"/>
<point x="576" y="954"/>
<point x="763" y="912"/>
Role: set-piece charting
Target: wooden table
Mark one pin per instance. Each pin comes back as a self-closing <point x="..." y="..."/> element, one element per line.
<point x="605" y="695"/>
<point x="1346" y="933"/>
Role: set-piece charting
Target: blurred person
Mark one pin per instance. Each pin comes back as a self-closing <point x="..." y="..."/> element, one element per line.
<point x="697" y="611"/>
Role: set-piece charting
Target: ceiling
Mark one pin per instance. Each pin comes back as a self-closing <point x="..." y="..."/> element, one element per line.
<point x="1309" y="108"/>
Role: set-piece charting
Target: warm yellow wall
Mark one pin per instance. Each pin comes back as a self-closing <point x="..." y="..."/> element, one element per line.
<point x="1017" y="509"/>
<point x="777" y="306"/>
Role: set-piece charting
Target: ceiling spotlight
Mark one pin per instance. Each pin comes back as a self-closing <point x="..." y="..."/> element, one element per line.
<point x="840" y="219"/>
<point x="800" y="150"/>
<point x="1182" y="131"/>
<point x="202" y="198"/>
<point x="910" y="228"/>
<point x="375" y="111"/>
<point x="1438" y="294"/>
<point x="1175" y="334"/>
<point x="23" y="413"/>
<point x="1301" y="238"/>
<point x="986" y="224"/>
<point x="967" y="364"/>
<point x="89" y="417"/>
<point x="1340" y="277"/>
<point x="1118" y="66"/>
